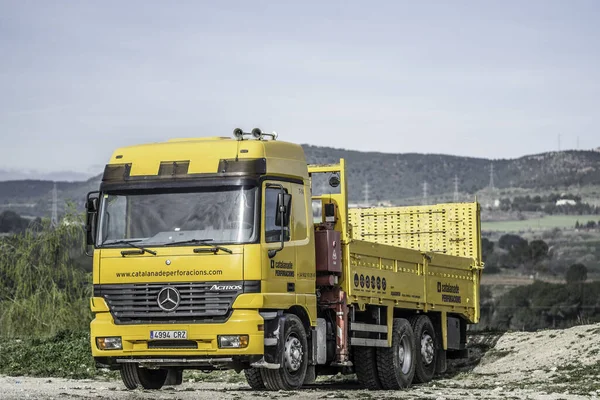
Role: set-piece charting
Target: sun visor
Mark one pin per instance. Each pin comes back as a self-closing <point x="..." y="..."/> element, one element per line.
<point x="250" y="166"/>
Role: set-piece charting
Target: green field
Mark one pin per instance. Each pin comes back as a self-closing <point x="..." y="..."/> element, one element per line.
<point x="538" y="224"/>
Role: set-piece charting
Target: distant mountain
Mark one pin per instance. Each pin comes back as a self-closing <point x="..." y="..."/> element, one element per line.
<point x="67" y="176"/>
<point x="390" y="176"/>
<point x="397" y="176"/>
<point x="34" y="197"/>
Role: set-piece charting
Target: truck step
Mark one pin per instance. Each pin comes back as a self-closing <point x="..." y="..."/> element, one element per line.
<point x="368" y="342"/>
<point x="357" y="326"/>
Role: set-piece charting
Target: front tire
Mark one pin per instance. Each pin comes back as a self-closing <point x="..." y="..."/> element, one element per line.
<point x="396" y="364"/>
<point x="129" y="376"/>
<point x="133" y="376"/>
<point x="254" y="378"/>
<point x="152" y="379"/>
<point x="293" y="359"/>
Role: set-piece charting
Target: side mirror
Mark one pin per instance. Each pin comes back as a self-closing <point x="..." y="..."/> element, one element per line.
<point x="91" y="218"/>
<point x="91" y="205"/>
<point x="282" y="218"/>
<point x="284" y="209"/>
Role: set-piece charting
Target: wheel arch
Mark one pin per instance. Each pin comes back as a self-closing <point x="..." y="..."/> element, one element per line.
<point x="301" y="312"/>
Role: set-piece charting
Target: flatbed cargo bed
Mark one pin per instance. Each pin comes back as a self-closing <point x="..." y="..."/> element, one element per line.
<point x="425" y="258"/>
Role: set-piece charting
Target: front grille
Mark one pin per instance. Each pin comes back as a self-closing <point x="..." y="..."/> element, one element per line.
<point x="172" y="344"/>
<point x="201" y="302"/>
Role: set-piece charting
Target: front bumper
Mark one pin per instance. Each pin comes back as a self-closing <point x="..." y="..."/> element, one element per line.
<point x="135" y="339"/>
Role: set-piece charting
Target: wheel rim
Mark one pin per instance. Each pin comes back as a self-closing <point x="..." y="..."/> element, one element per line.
<point x="293" y="353"/>
<point x="405" y="354"/>
<point x="427" y="348"/>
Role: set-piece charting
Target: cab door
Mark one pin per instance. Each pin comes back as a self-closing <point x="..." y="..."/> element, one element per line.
<point x="281" y="269"/>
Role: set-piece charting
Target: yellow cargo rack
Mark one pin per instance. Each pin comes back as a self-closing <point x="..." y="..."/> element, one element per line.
<point x="452" y="228"/>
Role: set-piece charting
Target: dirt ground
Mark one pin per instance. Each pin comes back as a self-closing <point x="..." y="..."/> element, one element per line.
<point x="551" y="364"/>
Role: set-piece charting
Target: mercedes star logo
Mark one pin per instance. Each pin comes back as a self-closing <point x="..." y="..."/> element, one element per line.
<point x="168" y="298"/>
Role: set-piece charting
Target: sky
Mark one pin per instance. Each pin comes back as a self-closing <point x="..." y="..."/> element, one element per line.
<point x="493" y="79"/>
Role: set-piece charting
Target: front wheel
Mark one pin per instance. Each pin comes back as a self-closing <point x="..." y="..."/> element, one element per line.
<point x="152" y="378"/>
<point x="293" y="359"/>
<point x="254" y="378"/>
<point x="133" y="376"/>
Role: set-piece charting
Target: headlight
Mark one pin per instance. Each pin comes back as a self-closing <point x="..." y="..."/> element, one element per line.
<point x="233" y="341"/>
<point x="109" y="343"/>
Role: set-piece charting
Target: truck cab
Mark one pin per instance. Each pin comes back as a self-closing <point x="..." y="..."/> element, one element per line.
<point x="195" y="242"/>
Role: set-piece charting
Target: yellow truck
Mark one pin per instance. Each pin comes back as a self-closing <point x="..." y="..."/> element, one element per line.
<point x="218" y="253"/>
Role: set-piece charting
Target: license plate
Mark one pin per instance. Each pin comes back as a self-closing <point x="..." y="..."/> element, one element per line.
<point x="165" y="335"/>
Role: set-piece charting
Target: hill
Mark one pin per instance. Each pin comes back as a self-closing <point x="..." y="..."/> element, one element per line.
<point x="19" y="175"/>
<point x="396" y="176"/>
<point x="391" y="177"/>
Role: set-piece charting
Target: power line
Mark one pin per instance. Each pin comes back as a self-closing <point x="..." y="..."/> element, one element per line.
<point x="491" y="185"/>
<point x="455" y="188"/>
<point x="54" y="218"/>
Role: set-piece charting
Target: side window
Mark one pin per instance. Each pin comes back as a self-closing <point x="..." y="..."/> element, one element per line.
<point x="113" y="221"/>
<point x="272" y="231"/>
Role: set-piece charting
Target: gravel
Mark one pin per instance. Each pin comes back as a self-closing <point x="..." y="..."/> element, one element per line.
<point x="551" y="364"/>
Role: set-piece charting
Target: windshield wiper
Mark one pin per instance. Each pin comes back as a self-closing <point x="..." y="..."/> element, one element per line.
<point x="141" y="249"/>
<point x="189" y="241"/>
<point x="212" y="249"/>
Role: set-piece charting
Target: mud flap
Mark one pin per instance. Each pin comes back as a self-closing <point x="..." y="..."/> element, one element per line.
<point x="174" y="377"/>
<point x="441" y="364"/>
<point x="274" y="328"/>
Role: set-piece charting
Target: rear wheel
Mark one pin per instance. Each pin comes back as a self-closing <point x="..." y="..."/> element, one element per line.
<point x="293" y="360"/>
<point x="396" y="364"/>
<point x="426" y="354"/>
<point x="365" y="366"/>
<point x="254" y="378"/>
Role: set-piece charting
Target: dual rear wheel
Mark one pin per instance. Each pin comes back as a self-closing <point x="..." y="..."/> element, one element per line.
<point x="411" y="358"/>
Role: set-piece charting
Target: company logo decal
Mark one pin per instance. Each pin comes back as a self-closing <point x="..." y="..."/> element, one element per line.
<point x="168" y="299"/>
<point x="225" y="287"/>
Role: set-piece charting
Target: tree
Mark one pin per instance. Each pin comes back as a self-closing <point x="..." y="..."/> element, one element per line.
<point x="487" y="248"/>
<point x="10" y="221"/>
<point x="41" y="290"/>
<point x="517" y="247"/>
<point x="538" y="250"/>
<point x="577" y="273"/>
<point x="505" y="204"/>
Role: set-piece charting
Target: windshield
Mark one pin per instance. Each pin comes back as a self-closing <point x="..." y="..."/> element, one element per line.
<point x="215" y="214"/>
